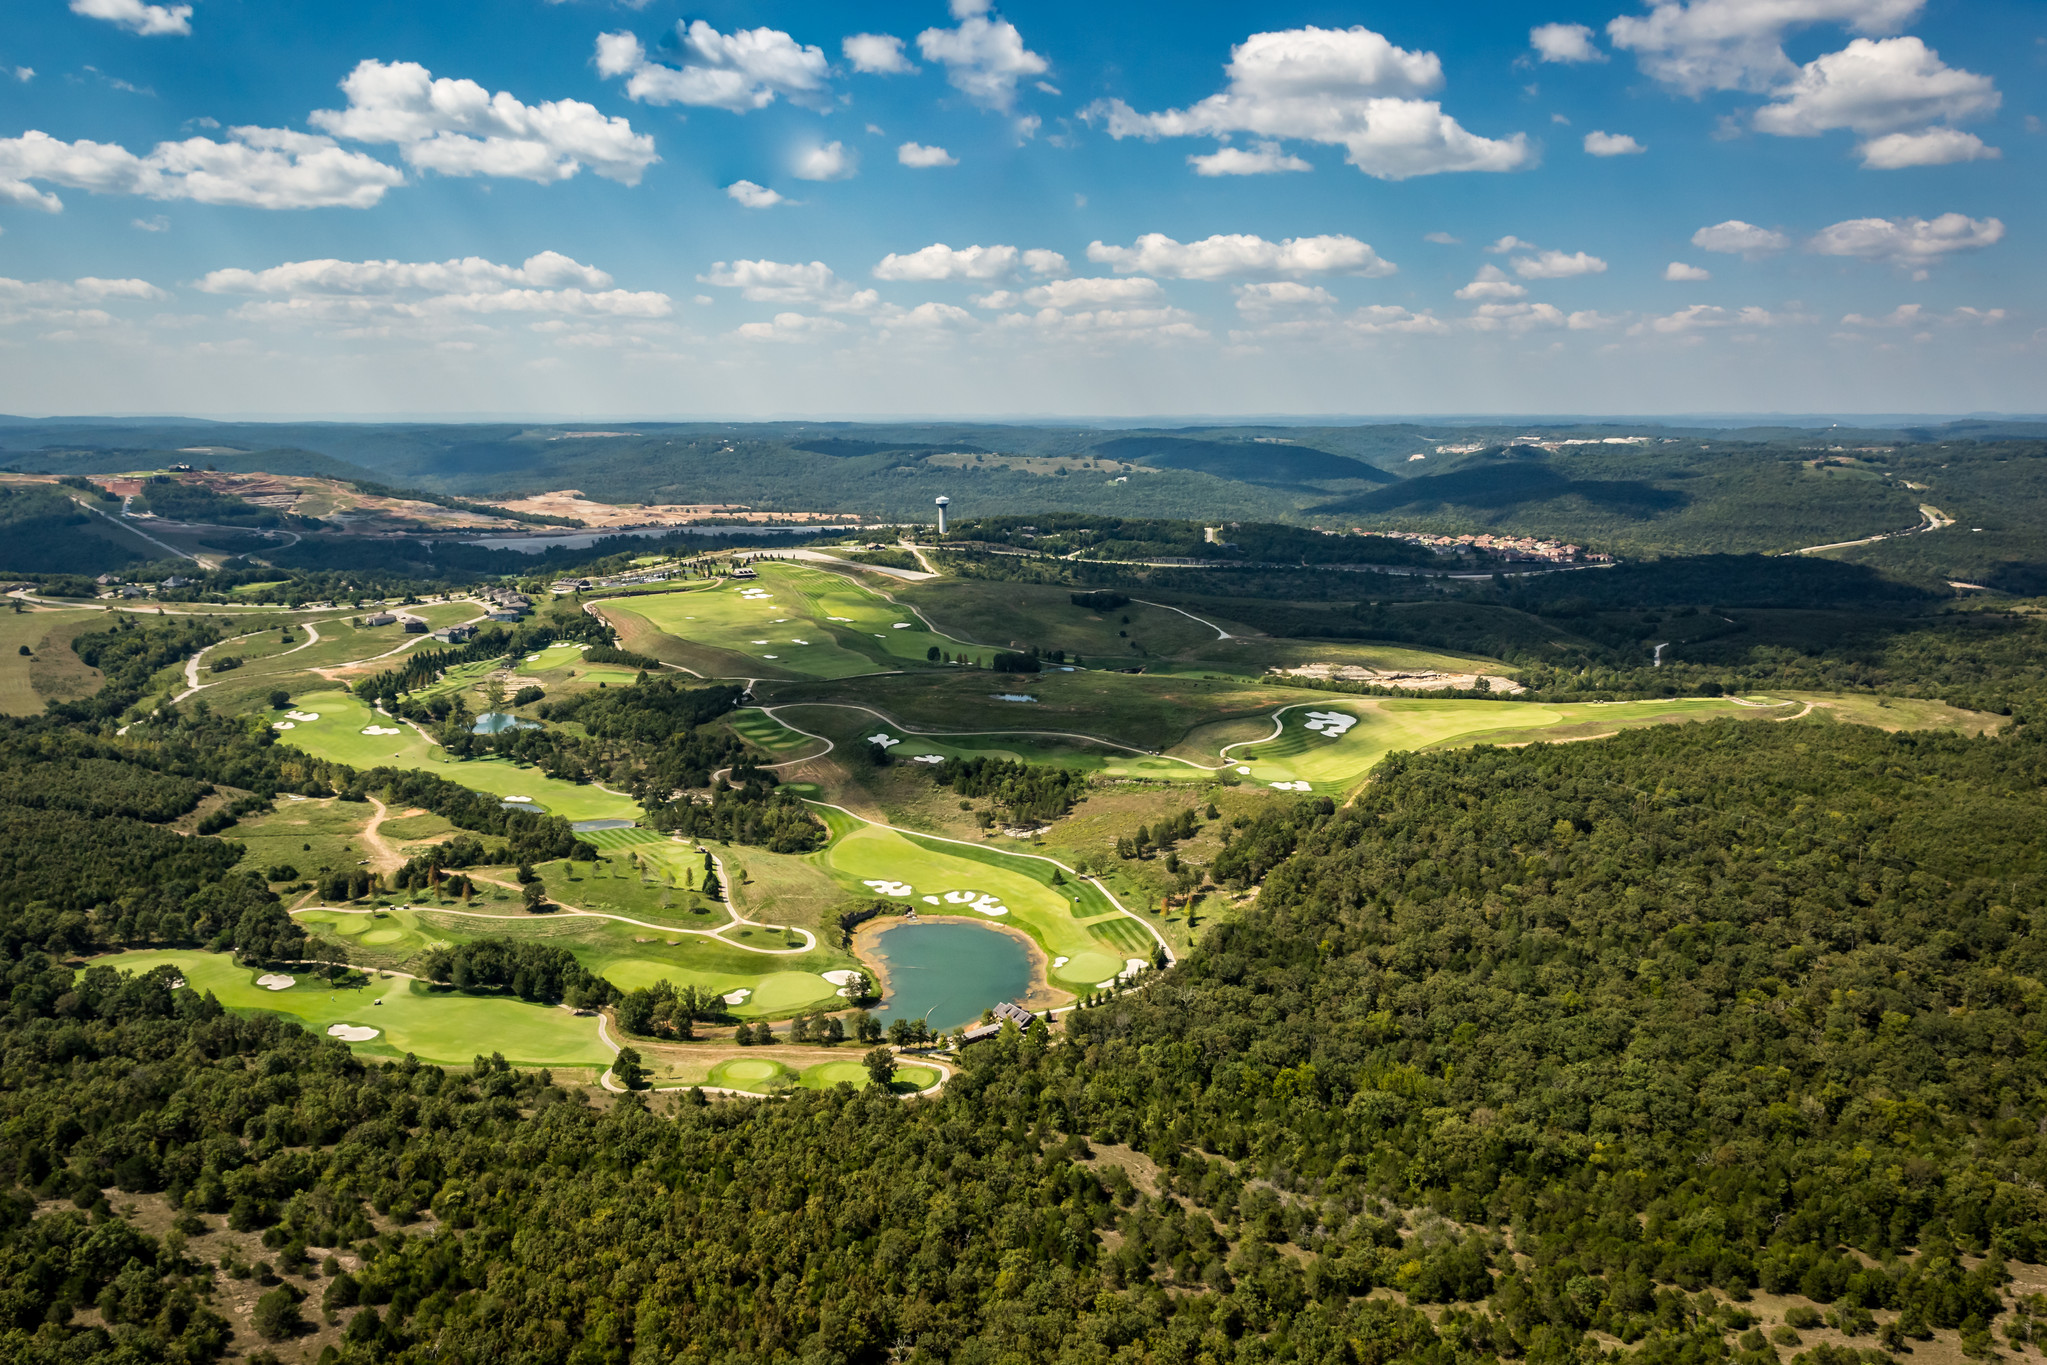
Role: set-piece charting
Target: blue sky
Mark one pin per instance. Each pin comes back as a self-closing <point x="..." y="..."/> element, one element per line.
<point x="1037" y="209"/>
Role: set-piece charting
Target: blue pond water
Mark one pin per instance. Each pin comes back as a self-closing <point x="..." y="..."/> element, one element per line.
<point x="497" y="722"/>
<point x="948" y="973"/>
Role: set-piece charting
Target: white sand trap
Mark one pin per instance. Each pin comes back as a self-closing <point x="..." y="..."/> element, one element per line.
<point x="276" y="981"/>
<point x="900" y="625"/>
<point x="283" y="725"/>
<point x="769" y="656"/>
<point x="841" y="976"/>
<point x="961" y="897"/>
<point x="931" y="900"/>
<point x="760" y="642"/>
<point x="1289" y="786"/>
<point x="884" y="740"/>
<point x="799" y="642"/>
<point x="738" y="997"/>
<point x="838" y="618"/>
<point x="1133" y="965"/>
<point x="531" y="657"/>
<point x="582" y="646"/>
<point x="351" y="1033"/>
<point x="1104" y="985"/>
<point x="380" y="730"/>
<point x="303" y="717"/>
<point x="177" y="983"/>
<point x="1242" y="771"/>
<point x="927" y="758"/>
<point x="902" y="890"/>
<point x="521" y="800"/>
<point x="1331" y="723"/>
<point x="1060" y="961"/>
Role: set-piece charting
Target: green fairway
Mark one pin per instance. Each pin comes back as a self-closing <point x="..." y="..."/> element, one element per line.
<point x="630" y="956"/>
<point x="49" y="669"/>
<point x="792" y="622"/>
<point x="1075" y="926"/>
<point x="1016" y="615"/>
<point x="1328" y="761"/>
<point x="849" y="727"/>
<point x="338" y="735"/>
<point x="445" y="1028"/>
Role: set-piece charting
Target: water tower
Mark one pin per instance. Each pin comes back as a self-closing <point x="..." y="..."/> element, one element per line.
<point x="943" y="503"/>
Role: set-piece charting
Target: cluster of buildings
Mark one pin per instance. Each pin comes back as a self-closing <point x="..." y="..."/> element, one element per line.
<point x="116" y="587"/>
<point x="562" y="587"/>
<point x="1512" y="548"/>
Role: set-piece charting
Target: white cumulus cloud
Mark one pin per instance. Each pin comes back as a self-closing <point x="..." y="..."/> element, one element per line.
<point x="984" y="263"/>
<point x="921" y="157"/>
<point x="1569" y="43"/>
<point x="436" y="298"/>
<point x="790" y="327"/>
<point x="1677" y="272"/>
<point x="1736" y="238"/>
<point x="1703" y="317"/>
<point x="1934" y="147"/>
<point x="1556" y="265"/>
<point x="1877" y="86"/>
<point x="1339" y="87"/>
<point x="148" y="20"/>
<point x="752" y="196"/>
<point x="832" y="161"/>
<point x="1275" y="298"/>
<point x="1909" y="242"/>
<point x="1491" y="283"/>
<point x="1091" y="293"/>
<point x="1241" y="254"/>
<point x="810" y="285"/>
<point x="268" y="168"/>
<point x="1262" y="158"/>
<point x="1612" y="144"/>
<point x="456" y="127"/>
<point x="1739" y="44"/>
<point x="876" y="54"/>
<point x="742" y="70"/>
<point x="983" y="57"/>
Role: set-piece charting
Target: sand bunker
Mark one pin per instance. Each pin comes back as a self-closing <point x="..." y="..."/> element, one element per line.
<point x="521" y="800"/>
<point x="889" y="888"/>
<point x="900" y="625"/>
<point x="738" y="997"/>
<point x="931" y="900"/>
<point x="838" y="618"/>
<point x="1242" y="771"/>
<point x="283" y="725"/>
<point x="979" y="901"/>
<point x="1331" y="723"/>
<point x="928" y="758"/>
<point x="303" y="716"/>
<point x="276" y="981"/>
<point x="1060" y="961"/>
<point x="841" y="976"/>
<point x="351" y="1033"/>
<point x="380" y="729"/>
<point x="1289" y="786"/>
<point x="885" y="741"/>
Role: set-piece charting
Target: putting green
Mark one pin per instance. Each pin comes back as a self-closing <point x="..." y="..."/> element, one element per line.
<point x="949" y="872"/>
<point x="338" y="735"/>
<point x="444" y="1028"/>
<point x="755" y="1075"/>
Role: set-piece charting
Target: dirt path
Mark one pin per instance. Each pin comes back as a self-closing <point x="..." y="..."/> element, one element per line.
<point x="373" y="838"/>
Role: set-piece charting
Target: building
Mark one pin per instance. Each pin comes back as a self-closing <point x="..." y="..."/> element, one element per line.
<point x="455" y="635"/>
<point x="1005" y="1013"/>
<point x="413" y="625"/>
<point x="382" y="618"/>
<point x="744" y="571"/>
<point x="502" y="616"/>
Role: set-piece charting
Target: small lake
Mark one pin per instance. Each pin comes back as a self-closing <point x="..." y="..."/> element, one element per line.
<point x="497" y="722"/>
<point x="948" y="973"/>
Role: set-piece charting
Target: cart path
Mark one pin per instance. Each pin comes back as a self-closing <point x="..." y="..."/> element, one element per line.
<point x="893" y="723"/>
<point x="1220" y="633"/>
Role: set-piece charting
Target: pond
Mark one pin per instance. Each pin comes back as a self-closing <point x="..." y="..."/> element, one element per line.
<point x="948" y="973"/>
<point x="497" y="722"/>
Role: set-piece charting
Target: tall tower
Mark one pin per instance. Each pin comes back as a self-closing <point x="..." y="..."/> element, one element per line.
<point x="943" y="503"/>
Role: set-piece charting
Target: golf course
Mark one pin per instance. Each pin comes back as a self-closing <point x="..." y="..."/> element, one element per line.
<point x="849" y="720"/>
